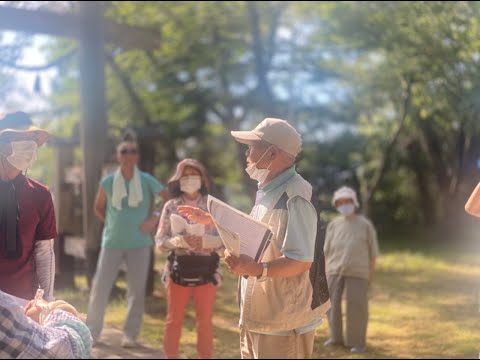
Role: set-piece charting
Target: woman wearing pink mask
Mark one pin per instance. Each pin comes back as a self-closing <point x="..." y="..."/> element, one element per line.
<point x="192" y="266"/>
<point x="351" y="250"/>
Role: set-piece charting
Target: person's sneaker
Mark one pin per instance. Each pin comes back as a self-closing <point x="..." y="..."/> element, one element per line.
<point x="330" y="342"/>
<point x="128" y="342"/>
<point x="357" y="350"/>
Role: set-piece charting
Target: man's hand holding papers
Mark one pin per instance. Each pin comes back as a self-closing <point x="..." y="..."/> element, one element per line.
<point x="243" y="265"/>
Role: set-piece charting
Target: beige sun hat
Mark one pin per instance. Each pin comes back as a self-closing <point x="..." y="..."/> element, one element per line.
<point x="18" y="126"/>
<point x="277" y="132"/>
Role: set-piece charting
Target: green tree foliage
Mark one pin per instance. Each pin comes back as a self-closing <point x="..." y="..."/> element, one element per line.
<point x="385" y="93"/>
<point x="411" y="74"/>
<point x="221" y="66"/>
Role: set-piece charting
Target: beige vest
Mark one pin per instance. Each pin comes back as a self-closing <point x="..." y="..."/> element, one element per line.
<point x="280" y="304"/>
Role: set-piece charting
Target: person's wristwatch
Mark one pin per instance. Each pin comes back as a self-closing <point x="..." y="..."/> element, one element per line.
<point x="263" y="277"/>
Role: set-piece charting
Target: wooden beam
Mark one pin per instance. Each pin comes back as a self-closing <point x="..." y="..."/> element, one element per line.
<point x="39" y="21"/>
<point x="131" y="37"/>
<point x="68" y="25"/>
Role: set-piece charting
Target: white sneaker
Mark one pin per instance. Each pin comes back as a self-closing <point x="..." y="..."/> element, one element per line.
<point x="358" y="350"/>
<point x="330" y="342"/>
<point x="128" y="342"/>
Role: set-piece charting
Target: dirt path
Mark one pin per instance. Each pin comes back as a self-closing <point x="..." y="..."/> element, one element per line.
<point x="109" y="348"/>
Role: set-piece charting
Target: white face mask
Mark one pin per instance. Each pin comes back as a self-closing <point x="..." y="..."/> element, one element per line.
<point x="258" y="174"/>
<point x="346" y="210"/>
<point x="190" y="184"/>
<point x="24" y="154"/>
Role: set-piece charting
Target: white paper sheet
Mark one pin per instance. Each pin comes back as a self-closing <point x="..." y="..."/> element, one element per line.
<point x="181" y="226"/>
<point x="239" y="232"/>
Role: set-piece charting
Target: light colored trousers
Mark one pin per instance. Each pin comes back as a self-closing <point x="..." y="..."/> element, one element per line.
<point x="177" y="299"/>
<point x="109" y="262"/>
<point x="260" y="346"/>
<point x="357" y="310"/>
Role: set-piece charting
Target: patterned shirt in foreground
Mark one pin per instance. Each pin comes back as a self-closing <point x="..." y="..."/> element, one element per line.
<point x="62" y="337"/>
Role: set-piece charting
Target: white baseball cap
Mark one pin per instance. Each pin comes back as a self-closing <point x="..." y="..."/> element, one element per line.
<point x="274" y="131"/>
<point x="345" y="193"/>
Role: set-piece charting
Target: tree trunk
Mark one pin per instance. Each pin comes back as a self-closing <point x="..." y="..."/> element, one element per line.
<point x="261" y="66"/>
<point x="369" y="189"/>
<point x="420" y="167"/>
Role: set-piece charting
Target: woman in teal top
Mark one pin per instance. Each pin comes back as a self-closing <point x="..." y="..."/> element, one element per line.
<point x="124" y="203"/>
<point x="122" y="229"/>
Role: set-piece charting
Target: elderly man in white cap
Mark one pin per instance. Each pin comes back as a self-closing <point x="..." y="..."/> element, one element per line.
<point x="277" y="315"/>
<point x="351" y="250"/>
<point x="27" y="216"/>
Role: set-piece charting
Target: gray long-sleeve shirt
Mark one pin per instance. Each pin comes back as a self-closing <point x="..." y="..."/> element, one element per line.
<point x="350" y="244"/>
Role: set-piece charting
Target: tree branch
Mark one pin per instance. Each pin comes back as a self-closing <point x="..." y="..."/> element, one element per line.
<point x="377" y="177"/>
<point x="128" y="86"/>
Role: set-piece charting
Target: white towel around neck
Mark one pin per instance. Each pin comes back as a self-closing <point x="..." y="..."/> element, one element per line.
<point x="135" y="196"/>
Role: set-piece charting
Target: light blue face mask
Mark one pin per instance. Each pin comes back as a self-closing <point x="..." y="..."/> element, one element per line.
<point x="346" y="209"/>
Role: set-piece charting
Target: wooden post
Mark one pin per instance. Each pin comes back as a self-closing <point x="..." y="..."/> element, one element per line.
<point x="94" y="119"/>
<point x="64" y="268"/>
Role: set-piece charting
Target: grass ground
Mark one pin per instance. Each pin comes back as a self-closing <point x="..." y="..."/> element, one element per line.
<point x="422" y="305"/>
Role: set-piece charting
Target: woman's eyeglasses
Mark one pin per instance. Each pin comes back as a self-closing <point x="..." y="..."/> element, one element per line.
<point x="129" y="151"/>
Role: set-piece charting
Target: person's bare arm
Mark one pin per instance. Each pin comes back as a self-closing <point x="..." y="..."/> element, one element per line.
<point x="164" y="195"/>
<point x="473" y="203"/>
<point x="195" y="215"/>
<point x="151" y="223"/>
<point x="279" y="268"/>
<point x="100" y="204"/>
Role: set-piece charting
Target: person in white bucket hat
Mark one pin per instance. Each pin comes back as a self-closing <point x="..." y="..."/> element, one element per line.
<point x="351" y="249"/>
<point x="345" y="193"/>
